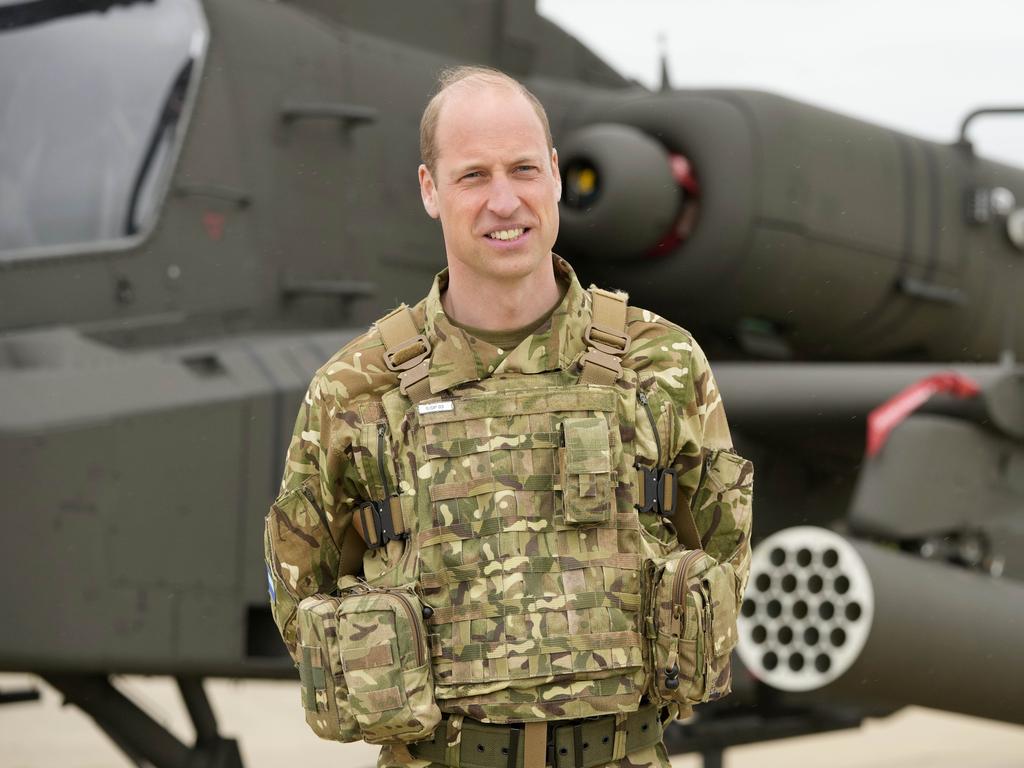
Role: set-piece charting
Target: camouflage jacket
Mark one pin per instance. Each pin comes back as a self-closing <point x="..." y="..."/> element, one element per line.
<point x="353" y="440"/>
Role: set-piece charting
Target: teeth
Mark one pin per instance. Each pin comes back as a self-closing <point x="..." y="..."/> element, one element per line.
<point x="506" y="234"/>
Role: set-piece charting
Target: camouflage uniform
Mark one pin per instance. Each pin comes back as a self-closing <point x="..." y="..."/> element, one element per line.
<point x="492" y="536"/>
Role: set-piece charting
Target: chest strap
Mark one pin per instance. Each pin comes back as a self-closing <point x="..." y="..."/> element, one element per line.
<point x="407" y="352"/>
<point x="606" y="338"/>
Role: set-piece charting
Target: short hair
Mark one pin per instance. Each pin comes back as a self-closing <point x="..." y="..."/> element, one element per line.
<point x="455" y="75"/>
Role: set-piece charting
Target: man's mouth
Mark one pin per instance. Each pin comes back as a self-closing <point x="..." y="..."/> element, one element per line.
<point x="507" y="234"/>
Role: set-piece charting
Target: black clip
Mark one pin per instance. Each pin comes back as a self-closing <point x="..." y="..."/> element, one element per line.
<point x="373" y="512"/>
<point x="659" y="491"/>
<point x="649" y="479"/>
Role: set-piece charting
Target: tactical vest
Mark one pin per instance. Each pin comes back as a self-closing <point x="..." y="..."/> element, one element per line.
<point x="512" y="503"/>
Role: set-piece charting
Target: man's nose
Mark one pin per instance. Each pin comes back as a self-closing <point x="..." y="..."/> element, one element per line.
<point x="502" y="199"/>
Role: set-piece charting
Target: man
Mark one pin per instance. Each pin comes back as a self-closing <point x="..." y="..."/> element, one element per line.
<point x="506" y="447"/>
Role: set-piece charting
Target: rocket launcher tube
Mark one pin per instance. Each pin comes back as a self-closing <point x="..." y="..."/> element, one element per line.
<point x="854" y="619"/>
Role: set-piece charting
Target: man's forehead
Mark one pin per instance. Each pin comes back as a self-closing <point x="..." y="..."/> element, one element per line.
<point x="478" y="116"/>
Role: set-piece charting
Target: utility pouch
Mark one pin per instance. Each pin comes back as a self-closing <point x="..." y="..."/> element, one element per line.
<point x="324" y="688"/>
<point x="586" y="471"/>
<point x="690" y="610"/>
<point x="384" y="690"/>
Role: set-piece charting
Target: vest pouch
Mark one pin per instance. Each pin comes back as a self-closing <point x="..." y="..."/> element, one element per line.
<point x="324" y="690"/>
<point x="586" y="471"/>
<point x="383" y="650"/>
<point x="690" y="611"/>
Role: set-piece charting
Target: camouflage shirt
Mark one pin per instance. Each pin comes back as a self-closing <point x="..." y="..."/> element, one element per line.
<point x="335" y="460"/>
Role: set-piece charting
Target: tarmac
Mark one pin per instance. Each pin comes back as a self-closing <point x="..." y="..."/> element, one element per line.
<point x="266" y="718"/>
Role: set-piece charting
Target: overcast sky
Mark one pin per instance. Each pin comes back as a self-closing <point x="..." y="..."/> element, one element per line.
<point x="915" y="65"/>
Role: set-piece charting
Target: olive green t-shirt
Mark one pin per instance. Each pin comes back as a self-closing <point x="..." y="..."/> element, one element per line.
<point x="507" y="340"/>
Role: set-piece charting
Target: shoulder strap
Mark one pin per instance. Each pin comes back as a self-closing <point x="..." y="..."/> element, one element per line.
<point x="407" y="352"/>
<point x="606" y="338"/>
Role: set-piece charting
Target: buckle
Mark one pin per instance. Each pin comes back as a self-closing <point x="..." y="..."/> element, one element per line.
<point x="414" y="375"/>
<point x="376" y="527"/>
<point x="400" y="359"/>
<point x="609" y="341"/>
<point x="659" y="490"/>
<point x="602" y="359"/>
<point x="648" y="482"/>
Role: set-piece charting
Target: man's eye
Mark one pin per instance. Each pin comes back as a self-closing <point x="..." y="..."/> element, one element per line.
<point x="526" y="168"/>
<point x="472" y="175"/>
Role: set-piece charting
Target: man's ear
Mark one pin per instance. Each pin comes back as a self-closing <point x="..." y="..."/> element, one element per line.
<point x="428" y="192"/>
<point x="558" y="176"/>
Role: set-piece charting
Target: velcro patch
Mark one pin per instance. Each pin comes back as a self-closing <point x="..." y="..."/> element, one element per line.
<point x="367" y="658"/>
<point x="380" y="701"/>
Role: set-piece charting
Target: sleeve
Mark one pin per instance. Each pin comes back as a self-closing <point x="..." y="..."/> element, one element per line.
<point x="715" y="483"/>
<point x="307" y="529"/>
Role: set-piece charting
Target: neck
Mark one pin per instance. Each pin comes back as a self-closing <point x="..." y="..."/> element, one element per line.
<point x="499" y="305"/>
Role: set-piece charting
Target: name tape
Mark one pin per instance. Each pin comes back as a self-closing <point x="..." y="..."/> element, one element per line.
<point x="444" y="405"/>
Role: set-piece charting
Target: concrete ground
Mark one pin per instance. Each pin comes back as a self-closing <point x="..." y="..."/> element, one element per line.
<point x="267" y="720"/>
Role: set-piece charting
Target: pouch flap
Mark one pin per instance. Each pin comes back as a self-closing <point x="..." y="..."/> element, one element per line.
<point x="361" y="634"/>
<point x="727" y="470"/>
<point x="371" y="702"/>
<point x="586" y="445"/>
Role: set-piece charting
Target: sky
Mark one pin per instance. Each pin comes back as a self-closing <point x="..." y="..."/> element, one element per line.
<point x="914" y="65"/>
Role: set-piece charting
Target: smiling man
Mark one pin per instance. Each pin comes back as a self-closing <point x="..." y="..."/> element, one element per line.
<point x="534" y="483"/>
<point x="490" y="174"/>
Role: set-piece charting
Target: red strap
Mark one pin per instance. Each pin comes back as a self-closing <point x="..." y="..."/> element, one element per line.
<point x="886" y="417"/>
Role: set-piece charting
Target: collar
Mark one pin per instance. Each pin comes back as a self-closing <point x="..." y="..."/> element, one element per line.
<point x="458" y="358"/>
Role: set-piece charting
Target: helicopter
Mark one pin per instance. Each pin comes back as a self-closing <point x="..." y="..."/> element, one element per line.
<point x="199" y="207"/>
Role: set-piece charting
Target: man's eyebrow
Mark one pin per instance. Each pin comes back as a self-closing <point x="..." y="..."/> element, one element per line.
<point x="461" y="170"/>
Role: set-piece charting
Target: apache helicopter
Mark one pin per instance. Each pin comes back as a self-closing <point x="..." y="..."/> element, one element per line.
<point x="199" y="201"/>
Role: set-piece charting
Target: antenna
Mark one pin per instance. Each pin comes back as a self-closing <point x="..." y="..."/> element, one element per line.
<point x="666" y="84"/>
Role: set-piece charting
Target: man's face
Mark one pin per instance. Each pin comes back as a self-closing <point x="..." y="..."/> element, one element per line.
<point x="496" y="185"/>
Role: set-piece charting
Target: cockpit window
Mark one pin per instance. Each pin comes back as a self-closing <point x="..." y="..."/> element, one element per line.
<point x="94" y="99"/>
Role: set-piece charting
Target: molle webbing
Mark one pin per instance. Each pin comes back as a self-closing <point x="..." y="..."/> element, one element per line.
<point x="407" y="352"/>
<point x="606" y="338"/>
<point x="518" y="590"/>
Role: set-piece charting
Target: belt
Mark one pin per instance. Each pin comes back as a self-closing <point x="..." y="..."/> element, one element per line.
<point x="570" y="743"/>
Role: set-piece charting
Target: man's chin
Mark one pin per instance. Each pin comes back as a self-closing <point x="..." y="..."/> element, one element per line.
<point x="512" y="264"/>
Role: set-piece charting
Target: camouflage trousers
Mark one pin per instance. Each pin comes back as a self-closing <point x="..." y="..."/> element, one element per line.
<point x="398" y="756"/>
